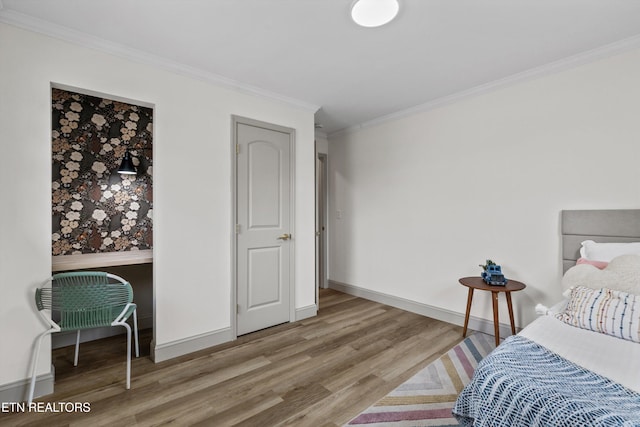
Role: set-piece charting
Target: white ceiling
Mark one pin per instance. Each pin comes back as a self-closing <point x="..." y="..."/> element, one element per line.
<point x="310" y="52"/>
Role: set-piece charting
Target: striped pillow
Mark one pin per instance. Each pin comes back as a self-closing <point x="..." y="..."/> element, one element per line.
<point x="604" y="310"/>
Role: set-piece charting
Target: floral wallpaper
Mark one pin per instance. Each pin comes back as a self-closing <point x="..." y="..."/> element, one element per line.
<point x="95" y="209"/>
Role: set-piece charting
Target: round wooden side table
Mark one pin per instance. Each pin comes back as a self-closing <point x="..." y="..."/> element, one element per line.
<point x="477" y="283"/>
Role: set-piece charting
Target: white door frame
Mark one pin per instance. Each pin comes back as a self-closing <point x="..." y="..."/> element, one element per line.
<point x="235" y="120"/>
<point x="322" y="204"/>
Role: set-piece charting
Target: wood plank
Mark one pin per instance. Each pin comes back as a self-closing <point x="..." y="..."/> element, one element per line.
<point x="321" y="371"/>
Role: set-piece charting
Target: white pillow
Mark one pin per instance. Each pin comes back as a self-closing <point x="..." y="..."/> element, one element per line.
<point x="607" y="251"/>
<point x="622" y="274"/>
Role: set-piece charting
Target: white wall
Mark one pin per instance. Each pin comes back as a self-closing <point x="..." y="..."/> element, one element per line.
<point x="192" y="208"/>
<point x="426" y="198"/>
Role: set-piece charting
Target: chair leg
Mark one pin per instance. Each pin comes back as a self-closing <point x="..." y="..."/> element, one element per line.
<point x="36" y="354"/>
<point x="128" y="354"/>
<point x="75" y="359"/>
<point x="135" y="331"/>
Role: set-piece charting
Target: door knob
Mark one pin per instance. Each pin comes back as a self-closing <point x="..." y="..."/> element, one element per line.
<point x="284" y="237"/>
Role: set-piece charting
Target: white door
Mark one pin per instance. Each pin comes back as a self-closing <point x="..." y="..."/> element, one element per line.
<point x="263" y="225"/>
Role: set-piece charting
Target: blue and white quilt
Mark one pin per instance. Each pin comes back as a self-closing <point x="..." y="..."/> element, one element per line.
<point x="523" y="384"/>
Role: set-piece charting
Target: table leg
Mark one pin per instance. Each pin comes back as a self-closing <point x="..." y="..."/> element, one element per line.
<point x="466" y="317"/>
<point x="513" y="325"/>
<point x="496" y="323"/>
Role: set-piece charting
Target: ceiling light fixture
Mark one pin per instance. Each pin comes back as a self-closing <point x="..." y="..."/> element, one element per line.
<point x="374" y="13"/>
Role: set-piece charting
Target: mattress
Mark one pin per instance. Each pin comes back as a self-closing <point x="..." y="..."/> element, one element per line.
<point x="523" y="384"/>
<point x="611" y="357"/>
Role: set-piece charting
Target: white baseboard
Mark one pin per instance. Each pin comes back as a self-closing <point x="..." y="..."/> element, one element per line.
<point x="17" y="391"/>
<point x="475" y="323"/>
<point x="166" y="351"/>
<point x="306" y="312"/>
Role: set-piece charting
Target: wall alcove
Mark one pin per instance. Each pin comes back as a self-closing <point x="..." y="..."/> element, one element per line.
<point x="102" y="220"/>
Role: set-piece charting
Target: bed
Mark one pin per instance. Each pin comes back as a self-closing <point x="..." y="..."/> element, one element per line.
<point x="578" y="364"/>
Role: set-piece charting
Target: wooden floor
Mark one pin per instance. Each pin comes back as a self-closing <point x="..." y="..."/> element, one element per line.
<point x="317" y="372"/>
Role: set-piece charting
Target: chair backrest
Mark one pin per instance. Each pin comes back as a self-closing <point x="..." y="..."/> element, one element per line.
<point x="81" y="300"/>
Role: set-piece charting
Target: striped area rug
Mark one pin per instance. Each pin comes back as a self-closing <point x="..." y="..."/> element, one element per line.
<point x="427" y="398"/>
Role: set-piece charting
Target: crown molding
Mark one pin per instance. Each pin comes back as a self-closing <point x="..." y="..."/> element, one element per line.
<point x="533" y="73"/>
<point x="47" y="28"/>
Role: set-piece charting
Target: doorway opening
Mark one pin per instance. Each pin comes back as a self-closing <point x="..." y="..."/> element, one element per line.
<point x="321" y="223"/>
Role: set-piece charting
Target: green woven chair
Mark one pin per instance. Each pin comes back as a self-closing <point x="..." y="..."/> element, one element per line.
<point x="85" y="300"/>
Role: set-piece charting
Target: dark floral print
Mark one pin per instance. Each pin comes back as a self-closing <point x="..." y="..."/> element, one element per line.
<point x="94" y="208"/>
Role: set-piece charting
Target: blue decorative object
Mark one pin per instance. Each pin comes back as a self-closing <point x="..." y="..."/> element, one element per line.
<point x="492" y="274"/>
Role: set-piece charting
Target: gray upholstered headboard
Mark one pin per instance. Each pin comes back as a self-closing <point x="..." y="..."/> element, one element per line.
<point x="603" y="226"/>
